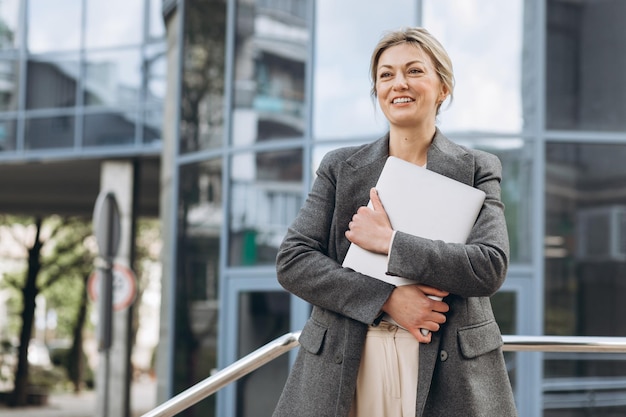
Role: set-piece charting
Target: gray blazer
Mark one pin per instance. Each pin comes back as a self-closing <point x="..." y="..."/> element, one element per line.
<point x="462" y="371"/>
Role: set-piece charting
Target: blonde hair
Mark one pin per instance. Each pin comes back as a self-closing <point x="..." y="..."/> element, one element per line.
<point x="421" y="38"/>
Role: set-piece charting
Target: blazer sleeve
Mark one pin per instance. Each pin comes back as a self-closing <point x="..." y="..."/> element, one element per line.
<point x="475" y="269"/>
<point x="307" y="263"/>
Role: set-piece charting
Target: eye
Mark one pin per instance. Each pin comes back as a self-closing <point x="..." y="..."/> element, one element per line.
<point x="415" y="71"/>
<point x="385" y="74"/>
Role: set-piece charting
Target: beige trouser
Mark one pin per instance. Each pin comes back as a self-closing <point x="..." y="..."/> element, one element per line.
<point x="387" y="380"/>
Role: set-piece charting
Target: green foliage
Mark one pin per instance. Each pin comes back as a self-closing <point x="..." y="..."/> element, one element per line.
<point x="64" y="273"/>
<point x="7" y="356"/>
<point x="46" y="378"/>
<point x="66" y="259"/>
<point x="62" y="358"/>
<point x="11" y="283"/>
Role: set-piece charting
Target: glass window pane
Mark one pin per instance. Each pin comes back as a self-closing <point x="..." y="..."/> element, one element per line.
<point x="109" y="129"/>
<point x="9" y="83"/>
<point x="346" y="33"/>
<point x="9" y="17"/>
<point x="516" y="157"/>
<point x="112" y="78"/>
<point x="585" y="65"/>
<point x="266" y="192"/>
<point x="54" y="25"/>
<point x="8" y="140"/>
<point x="49" y="132"/>
<point x="113" y="23"/>
<point x="202" y="105"/>
<point x="157" y="25"/>
<point x="271" y="57"/>
<point x="585" y="241"/>
<point x="487" y="68"/>
<point x="504" y="304"/>
<point x="154" y="95"/>
<point x="584" y="384"/>
<point x="152" y="126"/>
<point x="52" y="83"/>
<point x="197" y="277"/>
<point x="156" y="70"/>
<point x="263" y="316"/>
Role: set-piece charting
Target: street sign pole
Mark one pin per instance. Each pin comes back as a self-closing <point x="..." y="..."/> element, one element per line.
<point x="107" y="228"/>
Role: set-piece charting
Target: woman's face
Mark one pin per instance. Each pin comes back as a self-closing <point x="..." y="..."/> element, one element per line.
<point x="408" y="88"/>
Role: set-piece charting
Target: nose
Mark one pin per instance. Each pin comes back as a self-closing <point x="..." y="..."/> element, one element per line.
<point x="400" y="82"/>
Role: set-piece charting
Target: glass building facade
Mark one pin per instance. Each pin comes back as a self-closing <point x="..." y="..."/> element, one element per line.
<point x="267" y="87"/>
<point x="81" y="76"/>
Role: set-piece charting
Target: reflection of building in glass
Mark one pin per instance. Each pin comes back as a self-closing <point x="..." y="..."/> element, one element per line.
<point x="7" y="84"/>
<point x="98" y="128"/>
<point x="202" y="186"/>
<point x="264" y="186"/>
<point x="270" y="69"/>
<point x="585" y="266"/>
<point x="269" y="101"/>
<point x="261" y="212"/>
<point x="8" y="87"/>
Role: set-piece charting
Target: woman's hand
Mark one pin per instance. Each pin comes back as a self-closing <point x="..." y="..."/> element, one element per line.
<point x="411" y="308"/>
<point x="370" y="227"/>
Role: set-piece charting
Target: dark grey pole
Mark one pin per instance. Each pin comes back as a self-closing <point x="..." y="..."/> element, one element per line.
<point x="107" y="230"/>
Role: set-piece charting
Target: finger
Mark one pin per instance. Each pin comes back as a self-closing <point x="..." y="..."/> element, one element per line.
<point x="376" y="203"/>
<point x="424" y="337"/>
<point x="428" y="328"/>
<point x="436" y="315"/>
<point x="440" y="306"/>
<point x="428" y="290"/>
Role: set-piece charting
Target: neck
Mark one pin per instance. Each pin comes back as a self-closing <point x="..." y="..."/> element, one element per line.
<point x="411" y="144"/>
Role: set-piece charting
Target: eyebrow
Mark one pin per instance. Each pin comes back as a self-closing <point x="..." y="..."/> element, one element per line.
<point x="407" y="64"/>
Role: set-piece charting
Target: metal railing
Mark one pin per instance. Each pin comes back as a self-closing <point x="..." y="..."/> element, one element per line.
<point x="285" y="343"/>
<point x="587" y="344"/>
<point x="233" y="372"/>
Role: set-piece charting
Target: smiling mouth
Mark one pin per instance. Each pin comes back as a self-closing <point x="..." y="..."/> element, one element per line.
<point x="402" y="100"/>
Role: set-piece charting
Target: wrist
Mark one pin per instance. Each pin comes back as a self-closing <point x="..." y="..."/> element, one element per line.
<point x="390" y="244"/>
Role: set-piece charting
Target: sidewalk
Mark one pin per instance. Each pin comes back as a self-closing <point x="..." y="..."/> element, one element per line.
<point x="142" y="392"/>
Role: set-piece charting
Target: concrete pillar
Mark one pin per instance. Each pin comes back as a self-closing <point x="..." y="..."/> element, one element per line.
<point x="118" y="177"/>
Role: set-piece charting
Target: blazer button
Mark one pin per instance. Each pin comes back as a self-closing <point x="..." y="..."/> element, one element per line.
<point x="443" y="355"/>
<point x="338" y="359"/>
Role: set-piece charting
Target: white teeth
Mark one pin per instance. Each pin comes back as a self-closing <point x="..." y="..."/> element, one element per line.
<point x="402" y="100"/>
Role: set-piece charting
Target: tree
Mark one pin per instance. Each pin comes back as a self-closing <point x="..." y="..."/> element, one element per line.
<point x="60" y="254"/>
<point x="70" y="271"/>
<point x="62" y="234"/>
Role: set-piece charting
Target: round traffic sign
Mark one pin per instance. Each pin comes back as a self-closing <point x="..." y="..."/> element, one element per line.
<point x="124" y="286"/>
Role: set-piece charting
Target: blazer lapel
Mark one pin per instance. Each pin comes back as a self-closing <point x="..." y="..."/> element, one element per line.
<point x="447" y="158"/>
<point x="359" y="173"/>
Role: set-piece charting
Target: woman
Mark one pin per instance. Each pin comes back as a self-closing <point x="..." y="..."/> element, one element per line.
<point x="352" y="363"/>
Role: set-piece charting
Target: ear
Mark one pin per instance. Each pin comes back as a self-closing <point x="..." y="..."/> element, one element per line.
<point x="443" y="94"/>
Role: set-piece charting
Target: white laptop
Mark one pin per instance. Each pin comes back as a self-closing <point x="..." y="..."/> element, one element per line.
<point x="422" y="203"/>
